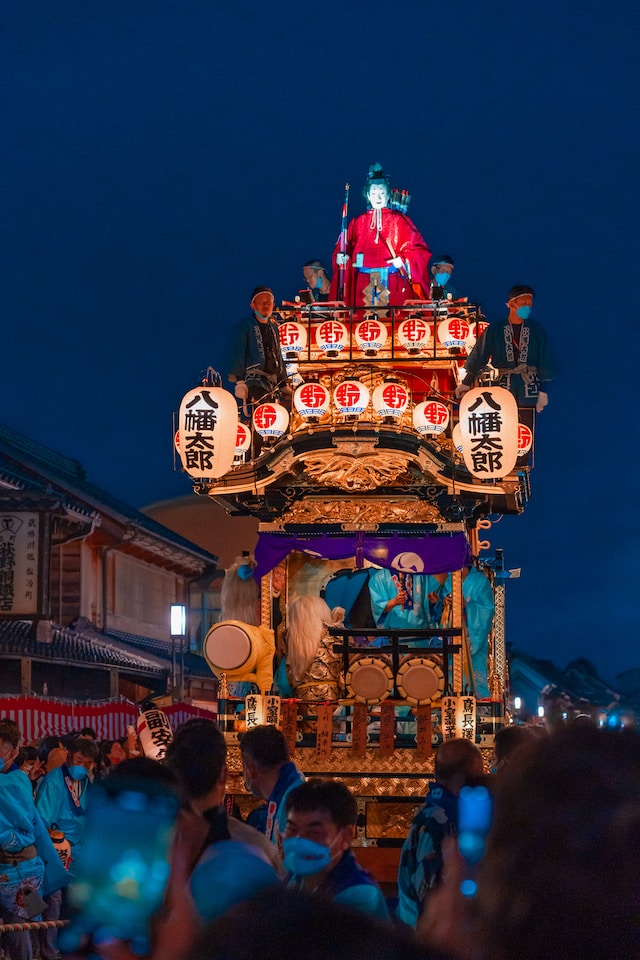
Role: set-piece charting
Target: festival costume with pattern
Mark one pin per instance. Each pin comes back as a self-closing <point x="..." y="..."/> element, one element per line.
<point x="525" y="368"/>
<point x="28" y="857"/>
<point x="322" y="680"/>
<point x="421" y="860"/>
<point x="369" y="279"/>
<point x="384" y="585"/>
<point x="276" y="818"/>
<point x="61" y="800"/>
<point x="261" y="369"/>
<point x="348" y="884"/>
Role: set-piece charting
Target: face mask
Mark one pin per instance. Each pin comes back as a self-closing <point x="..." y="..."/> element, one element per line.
<point x="77" y="772"/>
<point x="305" y="857"/>
<point x="1" y="764"/>
<point x="442" y="279"/>
<point x="319" y="283"/>
<point x="523" y="312"/>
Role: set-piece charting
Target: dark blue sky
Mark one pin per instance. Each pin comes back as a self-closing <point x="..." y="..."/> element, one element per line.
<point x="161" y="158"/>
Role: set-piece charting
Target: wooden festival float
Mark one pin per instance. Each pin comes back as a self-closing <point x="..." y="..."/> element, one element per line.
<point x="365" y="463"/>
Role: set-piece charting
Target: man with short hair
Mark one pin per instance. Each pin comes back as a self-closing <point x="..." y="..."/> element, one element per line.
<point x="457" y="762"/>
<point x="519" y="349"/>
<point x="269" y="773"/>
<point x="321" y="815"/>
<point x="62" y="793"/>
<point x="440" y="269"/>
<point x="315" y="275"/>
<point x="257" y="368"/>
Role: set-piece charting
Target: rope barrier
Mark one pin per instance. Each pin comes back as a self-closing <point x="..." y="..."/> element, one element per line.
<point x="32" y="925"/>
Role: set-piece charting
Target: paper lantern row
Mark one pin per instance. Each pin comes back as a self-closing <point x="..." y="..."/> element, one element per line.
<point x="413" y="334"/>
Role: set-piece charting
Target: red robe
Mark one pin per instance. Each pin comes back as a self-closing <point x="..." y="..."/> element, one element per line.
<point x="362" y="238"/>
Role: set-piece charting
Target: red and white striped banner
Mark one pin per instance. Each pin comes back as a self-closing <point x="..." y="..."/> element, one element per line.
<point x="39" y="718"/>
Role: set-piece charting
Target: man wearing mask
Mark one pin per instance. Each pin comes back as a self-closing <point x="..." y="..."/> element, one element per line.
<point x="62" y="793"/>
<point x="441" y="288"/>
<point x="519" y="349"/>
<point x="321" y="815"/>
<point x="315" y="275"/>
<point x="270" y="774"/>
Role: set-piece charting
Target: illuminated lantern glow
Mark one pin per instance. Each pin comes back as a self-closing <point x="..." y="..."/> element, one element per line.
<point x="370" y="335"/>
<point x="414" y="334"/>
<point x="489" y="432"/>
<point x="390" y="399"/>
<point x="294" y="375"/>
<point x="293" y="339"/>
<point x="154" y="732"/>
<point x="351" y="397"/>
<point x="456" y="437"/>
<point x="459" y="718"/>
<point x="311" y="400"/>
<point x="525" y="439"/>
<point x="431" y="417"/>
<point x="270" y="420"/>
<point x="208" y="421"/>
<point x="176" y="441"/>
<point x="332" y="337"/>
<point x="261" y="709"/>
<point x="480" y="326"/>
<point x="243" y="440"/>
<point x="453" y="332"/>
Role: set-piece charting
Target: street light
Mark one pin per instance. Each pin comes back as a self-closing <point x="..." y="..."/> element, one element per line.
<point x="178" y="629"/>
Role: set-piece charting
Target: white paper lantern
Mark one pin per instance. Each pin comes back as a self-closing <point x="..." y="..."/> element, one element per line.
<point x="270" y="420"/>
<point x="311" y="400"/>
<point x="332" y="337"/>
<point x="390" y="399"/>
<point x="489" y="431"/>
<point x="456" y="436"/>
<point x="414" y="334"/>
<point x="371" y="335"/>
<point x="207" y="427"/>
<point x="453" y="332"/>
<point x="293" y="339"/>
<point x="459" y="718"/>
<point x="154" y="732"/>
<point x="351" y="397"/>
<point x="243" y="439"/>
<point x="431" y="417"/>
<point x="476" y="329"/>
<point x="293" y="374"/>
<point x="525" y="439"/>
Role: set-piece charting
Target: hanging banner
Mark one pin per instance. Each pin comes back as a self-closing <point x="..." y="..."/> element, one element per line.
<point x="324" y="730"/>
<point x="459" y="718"/>
<point x="387" y="728"/>
<point x="424" y="743"/>
<point x="289" y="722"/>
<point x="359" y="720"/>
<point x="489" y="432"/>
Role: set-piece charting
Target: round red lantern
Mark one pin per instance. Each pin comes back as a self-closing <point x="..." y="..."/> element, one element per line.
<point x="331" y="337"/>
<point x="351" y="397"/>
<point x="270" y="420"/>
<point x="453" y="332"/>
<point x="243" y="439"/>
<point x="390" y="399"/>
<point x="311" y="400"/>
<point x="525" y="439"/>
<point x="414" y="334"/>
<point x="293" y="339"/>
<point x="370" y="335"/>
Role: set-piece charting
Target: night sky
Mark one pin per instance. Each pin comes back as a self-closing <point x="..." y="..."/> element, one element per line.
<point x="160" y="158"/>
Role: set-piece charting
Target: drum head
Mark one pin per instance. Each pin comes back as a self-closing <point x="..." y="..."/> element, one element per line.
<point x="370" y="680"/>
<point x="420" y="680"/>
<point x="227" y="646"/>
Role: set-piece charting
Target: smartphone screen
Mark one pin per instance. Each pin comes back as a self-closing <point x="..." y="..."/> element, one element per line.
<point x="123" y="866"/>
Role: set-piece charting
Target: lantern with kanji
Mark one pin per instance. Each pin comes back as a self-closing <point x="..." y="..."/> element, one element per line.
<point x="431" y="416"/>
<point x="270" y="420"/>
<point x="207" y="427"/>
<point x="311" y="400"/>
<point x="459" y="718"/>
<point x="293" y="339"/>
<point x="457" y="439"/>
<point x="453" y="332"/>
<point x="370" y="335"/>
<point x="243" y="441"/>
<point x="154" y="732"/>
<point x="331" y="337"/>
<point x="262" y="709"/>
<point x="351" y="397"/>
<point x="525" y="439"/>
<point x="489" y="432"/>
<point x="414" y="334"/>
<point x="476" y="329"/>
<point x="390" y="399"/>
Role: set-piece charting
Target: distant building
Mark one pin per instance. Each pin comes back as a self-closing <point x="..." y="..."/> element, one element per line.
<point x="577" y="690"/>
<point x="86" y="584"/>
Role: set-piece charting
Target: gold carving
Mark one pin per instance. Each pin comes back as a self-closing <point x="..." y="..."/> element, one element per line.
<point x="365" y="512"/>
<point x="354" y="472"/>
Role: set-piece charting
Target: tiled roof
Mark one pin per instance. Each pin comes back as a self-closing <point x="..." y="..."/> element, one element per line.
<point x="71" y="646"/>
<point x="194" y="664"/>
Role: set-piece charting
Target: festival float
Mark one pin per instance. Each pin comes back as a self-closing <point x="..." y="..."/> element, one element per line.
<point x="375" y="492"/>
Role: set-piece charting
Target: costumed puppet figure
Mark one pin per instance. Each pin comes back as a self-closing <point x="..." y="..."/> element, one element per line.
<point x="314" y="670"/>
<point x="240" y="608"/>
<point x="384" y="260"/>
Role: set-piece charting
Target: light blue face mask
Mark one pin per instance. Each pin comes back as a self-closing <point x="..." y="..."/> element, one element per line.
<point x="77" y="772"/>
<point x="305" y="857"/>
<point x="524" y="312"/>
<point x="442" y="279"/>
<point x="1" y="764"/>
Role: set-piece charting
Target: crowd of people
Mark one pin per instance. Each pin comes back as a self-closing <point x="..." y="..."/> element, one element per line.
<point x="553" y="874"/>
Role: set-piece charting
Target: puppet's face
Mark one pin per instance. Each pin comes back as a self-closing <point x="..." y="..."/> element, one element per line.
<point x="378" y="195"/>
